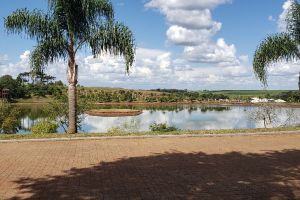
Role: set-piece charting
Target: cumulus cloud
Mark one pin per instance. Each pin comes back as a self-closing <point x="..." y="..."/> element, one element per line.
<point x="193" y="37"/>
<point x="282" y="17"/>
<point x="205" y="60"/>
<point x="156" y="68"/>
<point x="288" y="69"/>
<point x="189" y="5"/>
<point x="218" y="53"/>
<point x="194" y="30"/>
<point x="193" y="19"/>
<point x="14" y="68"/>
<point x="190" y="22"/>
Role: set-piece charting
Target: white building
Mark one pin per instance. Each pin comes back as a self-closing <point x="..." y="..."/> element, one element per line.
<point x="258" y="100"/>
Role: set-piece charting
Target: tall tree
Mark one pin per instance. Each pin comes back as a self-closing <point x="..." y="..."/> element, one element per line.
<point x="67" y="27"/>
<point x="281" y="46"/>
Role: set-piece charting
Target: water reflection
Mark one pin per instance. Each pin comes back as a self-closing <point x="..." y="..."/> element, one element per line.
<point x="185" y="117"/>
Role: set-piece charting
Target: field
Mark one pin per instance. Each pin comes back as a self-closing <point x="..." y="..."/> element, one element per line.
<point x="120" y="95"/>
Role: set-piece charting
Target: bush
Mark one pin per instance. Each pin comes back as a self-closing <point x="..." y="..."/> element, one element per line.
<point x="9" y="118"/>
<point x="115" y="131"/>
<point x="162" y="127"/>
<point x="58" y="111"/>
<point x="44" y="127"/>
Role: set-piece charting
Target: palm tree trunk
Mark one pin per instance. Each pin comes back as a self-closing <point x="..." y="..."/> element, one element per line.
<point x="72" y="97"/>
<point x="299" y="82"/>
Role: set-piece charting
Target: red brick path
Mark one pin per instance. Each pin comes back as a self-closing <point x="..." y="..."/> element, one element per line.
<point x="254" y="167"/>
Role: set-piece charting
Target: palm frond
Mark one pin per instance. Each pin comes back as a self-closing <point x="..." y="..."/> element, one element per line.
<point x="116" y="39"/>
<point x="47" y="52"/>
<point x="78" y="17"/>
<point x="273" y="49"/>
<point x="293" y="21"/>
<point x="35" y="24"/>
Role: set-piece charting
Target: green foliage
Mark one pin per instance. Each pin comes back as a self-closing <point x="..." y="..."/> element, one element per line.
<point x="15" y="88"/>
<point x="44" y="127"/>
<point x="273" y="49"/>
<point x="162" y="127"/>
<point x="169" y="96"/>
<point x="58" y="111"/>
<point x="69" y="26"/>
<point x="126" y="128"/>
<point x="115" y="131"/>
<point x="9" y="118"/>
<point x="292" y="97"/>
<point x="282" y="46"/>
<point x="22" y="87"/>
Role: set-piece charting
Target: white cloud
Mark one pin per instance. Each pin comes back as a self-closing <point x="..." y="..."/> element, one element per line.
<point x="156" y="68"/>
<point x="219" y="53"/>
<point x="282" y="18"/>
<point x="14" y="68"/>
<point x="189" y="5"/>
<point x="193" y="19"/>
<point x="290" y="69"/>
<point x="183" y="36"/>
<point x="192" y="26"/>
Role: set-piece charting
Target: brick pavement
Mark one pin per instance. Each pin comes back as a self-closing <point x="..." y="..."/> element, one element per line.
<point x="248" y="167"/>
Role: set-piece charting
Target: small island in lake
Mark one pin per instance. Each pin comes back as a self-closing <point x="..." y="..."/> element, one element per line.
<point x="114" y="112"/>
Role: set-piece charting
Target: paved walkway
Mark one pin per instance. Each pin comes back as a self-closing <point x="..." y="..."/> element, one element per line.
<point x="248" y="167"/>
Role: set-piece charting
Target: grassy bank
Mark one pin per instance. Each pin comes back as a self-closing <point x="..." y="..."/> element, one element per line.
<point x="112" y="134"/>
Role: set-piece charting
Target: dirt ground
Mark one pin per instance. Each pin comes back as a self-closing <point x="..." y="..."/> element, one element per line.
<point x="240" y="167"/>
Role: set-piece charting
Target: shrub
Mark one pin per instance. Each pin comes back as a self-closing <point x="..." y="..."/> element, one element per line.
<point x="162" y="127"/>
<point x="115" y="131"/>
<point x="44" y="127"/>
<point x="58" y="111"/>
<point x="9" y="118"/>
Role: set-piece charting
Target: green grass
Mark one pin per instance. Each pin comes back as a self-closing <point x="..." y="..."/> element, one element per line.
<point x="111" y="134"/>
<point x="34" y="100"/>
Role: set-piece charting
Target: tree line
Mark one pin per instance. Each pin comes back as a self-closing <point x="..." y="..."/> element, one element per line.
<point x="27" y="85"/>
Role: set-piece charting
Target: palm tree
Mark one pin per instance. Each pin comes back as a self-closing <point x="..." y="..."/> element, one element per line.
<point x="67" y="27"/>
<point x="281" y="46"/>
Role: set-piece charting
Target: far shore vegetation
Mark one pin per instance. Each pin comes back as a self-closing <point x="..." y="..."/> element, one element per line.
<point x="44" y="89"/>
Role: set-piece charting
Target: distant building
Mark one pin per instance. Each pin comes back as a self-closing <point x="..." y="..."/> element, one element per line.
<point x="280" y="101"/>
<point x="4" y="94"/>
<point x="258" y="100"/>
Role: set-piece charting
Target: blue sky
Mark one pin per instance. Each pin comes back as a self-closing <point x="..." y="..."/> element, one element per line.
<point x="204" y="44"/>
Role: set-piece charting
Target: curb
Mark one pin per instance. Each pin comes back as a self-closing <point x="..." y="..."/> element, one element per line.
<point x="152" y="136"/>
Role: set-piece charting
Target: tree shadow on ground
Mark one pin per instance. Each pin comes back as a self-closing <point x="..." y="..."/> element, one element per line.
<point x="176" y="175"/>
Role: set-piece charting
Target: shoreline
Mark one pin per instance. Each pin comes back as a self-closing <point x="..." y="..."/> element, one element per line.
<point x="204" y="103"/>
<point x="142" y="135"/>
<point x="246" y="104"/>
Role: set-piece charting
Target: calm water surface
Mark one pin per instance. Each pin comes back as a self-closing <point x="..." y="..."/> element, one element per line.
<point x="183" y="117"/>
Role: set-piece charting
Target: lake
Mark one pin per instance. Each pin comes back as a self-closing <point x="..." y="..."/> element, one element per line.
<point x="184" y="117"/>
